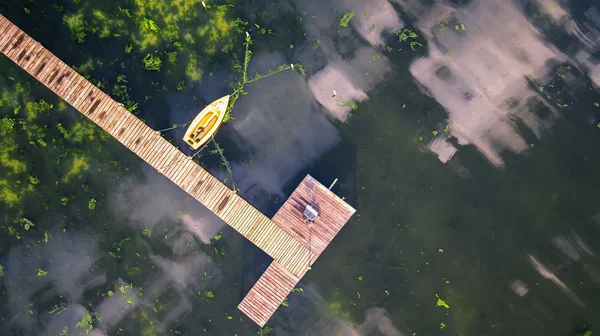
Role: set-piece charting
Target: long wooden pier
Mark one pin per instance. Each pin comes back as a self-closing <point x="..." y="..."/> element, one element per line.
<point x="293" y="244"/>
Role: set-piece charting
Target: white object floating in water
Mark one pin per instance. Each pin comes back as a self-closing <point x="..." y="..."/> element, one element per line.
<point x="247" y="35"/>
<point x="204" y="5"/>
<point x="334" y="93"/>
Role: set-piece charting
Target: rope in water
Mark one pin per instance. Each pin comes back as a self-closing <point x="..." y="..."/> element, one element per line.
<point x="309" y="240"/>
<point x="174" y="127"/>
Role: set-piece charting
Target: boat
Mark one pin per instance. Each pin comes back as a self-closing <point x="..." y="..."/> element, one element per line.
<point x="207" y="123"/>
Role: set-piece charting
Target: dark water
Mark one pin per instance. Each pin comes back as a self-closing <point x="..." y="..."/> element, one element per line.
<point x="472" y="163"/>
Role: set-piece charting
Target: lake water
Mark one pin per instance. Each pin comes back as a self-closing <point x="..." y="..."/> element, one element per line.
<point x="465" y="133"/>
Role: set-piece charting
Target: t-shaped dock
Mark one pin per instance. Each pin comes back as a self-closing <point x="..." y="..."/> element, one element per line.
<point x="293" y="241"/>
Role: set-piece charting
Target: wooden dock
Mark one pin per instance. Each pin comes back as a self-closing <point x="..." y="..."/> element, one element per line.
<point x="293" y="244"/>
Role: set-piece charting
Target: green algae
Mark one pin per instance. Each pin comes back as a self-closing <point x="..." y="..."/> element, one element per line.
<point x="346" y="18"/>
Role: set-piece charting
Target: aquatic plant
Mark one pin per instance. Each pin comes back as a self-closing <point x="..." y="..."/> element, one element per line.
<point x="87" y="322"/>
<point x="225" y="163"/>
<point x="79" y="28"/>
<point x="92" y="204"/>
<point x="147" y="232"/>
<point x="408" y="35"/>
<point x="26" y="223"/>
<point x="340" y="101"/>
<point x="238" y="86"/>
<point x="264" y="330"/>
<point x="346" y="19"/>
<point x="151" y="62"/>
<point x="443" y="27"/>
<point x="150" y="24"/>
<point x="172" y="57"/>
<point x="441" y="303"/>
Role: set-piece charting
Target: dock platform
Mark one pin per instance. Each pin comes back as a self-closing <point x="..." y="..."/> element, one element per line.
<point x="293" y="244"/>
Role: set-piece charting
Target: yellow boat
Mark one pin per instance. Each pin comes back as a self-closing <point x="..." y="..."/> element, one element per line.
<point x="206" y="123"/>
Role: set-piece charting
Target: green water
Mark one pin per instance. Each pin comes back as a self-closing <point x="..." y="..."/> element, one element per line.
<point x="472" y="163"/>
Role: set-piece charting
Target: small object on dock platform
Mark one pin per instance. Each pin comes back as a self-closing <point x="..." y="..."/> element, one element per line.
<point x="333" y="213"/>
<point x="310" y="213"/>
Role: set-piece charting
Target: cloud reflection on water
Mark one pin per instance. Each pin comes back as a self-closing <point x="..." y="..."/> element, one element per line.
<point x="282" y="122"/>
<point x="485" y="72"/>
<point x="310" y="315"/>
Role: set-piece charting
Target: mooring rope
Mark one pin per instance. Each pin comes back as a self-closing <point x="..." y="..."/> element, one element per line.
<point x="174" y="127"/>
<point x="309" y="241"/>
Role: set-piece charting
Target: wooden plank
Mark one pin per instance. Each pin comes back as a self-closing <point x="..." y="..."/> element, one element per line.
<point x="149" y="143"/>
<point x="185" y="171"/>
<point x="141" y="141"/>
<point x="175" y="165"/>
<point x="233" y="205"/>
<point x="186" y="165"/>
<point x="123" y="133"/>
<point x="138" y="130"/>
<point x="45" y="75"/>
<point x="59" y="69"/>
<point x="40" y="68"/>
<point x="250" y="222"/>
<point x="223" y="202"/>
<point x="127" y="134"/>
<point x="128" y="131"/>
<point x="110" y="119"/>
<point x="158" y="163"/>
<point x="166" y="160"/>
<point x="116" y="118"/>
<point x="215" y="195"/>
<point x="237" y="221"/>
<point x="68" y="90"/>
<point x="88" y="99"/>
<point x="156" y="152"/>
<point x="85" y="89"/>
<point x="19" y="56"/>
<point x="30" y="56"/>
<point x="206" y="187"/>
<point x="266" y="235"/>
<point x="35" y="61"/>
<point x="12" y="47"/>
<point x="187" y="179"/>
<point x="191" y="189"/>
<point x="96" y="116"/>
<point x="76" y="94"/>
<point x="107" y="118"/>
<point x="214" y="192"/>
<point x="8" y="38"/>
